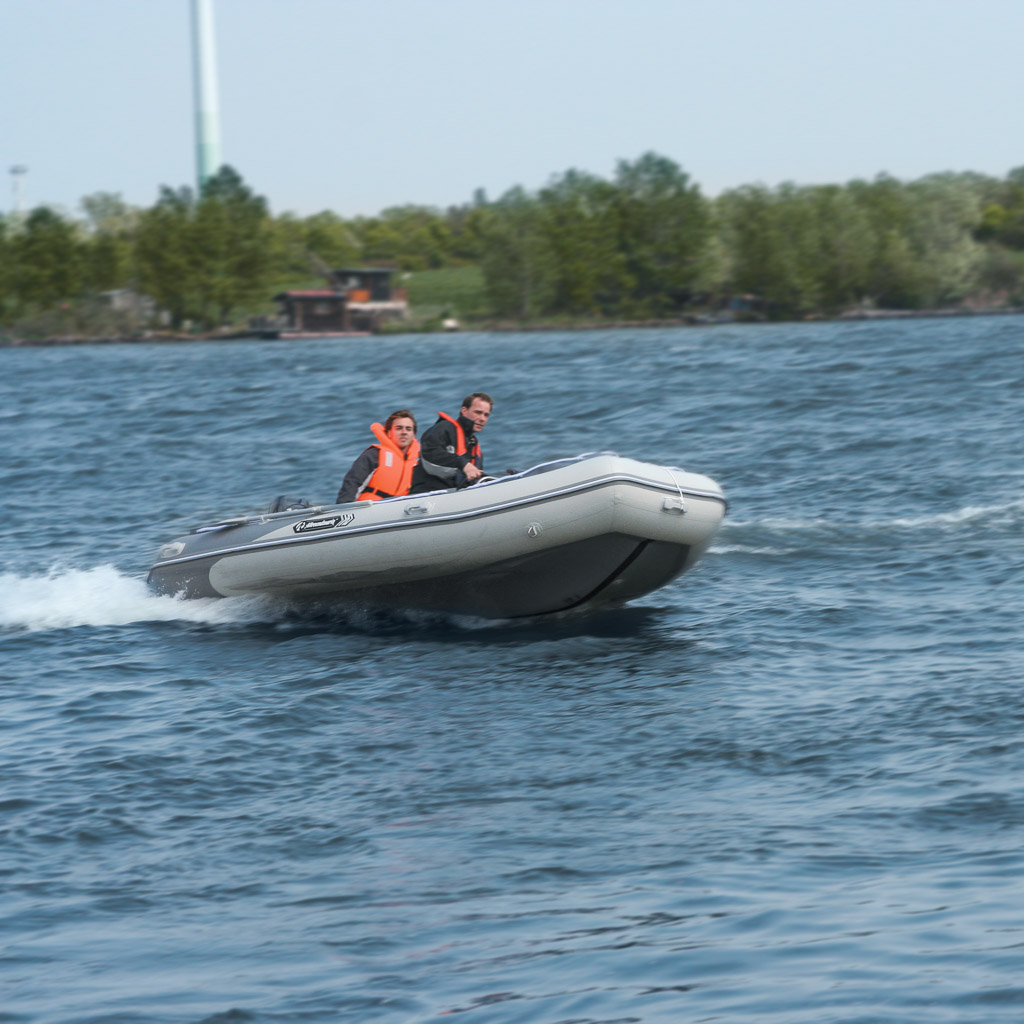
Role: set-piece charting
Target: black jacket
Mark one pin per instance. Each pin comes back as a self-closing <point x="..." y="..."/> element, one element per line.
<point x="439" y="467"/>
<point x="362" y="469"/>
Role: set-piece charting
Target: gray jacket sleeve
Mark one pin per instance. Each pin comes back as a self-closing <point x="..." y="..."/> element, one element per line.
<point x="361" y="471"/>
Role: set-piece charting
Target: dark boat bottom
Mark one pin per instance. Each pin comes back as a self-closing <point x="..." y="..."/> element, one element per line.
<point x="589" y="573"/>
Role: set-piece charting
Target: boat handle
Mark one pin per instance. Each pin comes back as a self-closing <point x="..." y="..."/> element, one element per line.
<point x="674" y="505"/>
<point x="417" y="510"/>
<point x="224" y="524"/>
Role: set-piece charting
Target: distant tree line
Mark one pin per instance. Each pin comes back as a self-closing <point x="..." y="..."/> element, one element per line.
<point x="644" y="243"/>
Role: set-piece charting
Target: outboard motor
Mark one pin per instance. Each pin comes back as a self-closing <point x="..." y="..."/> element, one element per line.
<point x="282" y="503"/>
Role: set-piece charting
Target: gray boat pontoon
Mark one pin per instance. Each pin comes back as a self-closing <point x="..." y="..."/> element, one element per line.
<point x="576" y="534"/>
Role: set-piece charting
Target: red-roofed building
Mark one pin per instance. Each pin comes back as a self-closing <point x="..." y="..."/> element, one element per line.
<point x="317" y="311"/>
<point x="361" y="300"/>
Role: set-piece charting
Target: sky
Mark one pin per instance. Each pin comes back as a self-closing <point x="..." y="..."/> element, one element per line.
<point x="354" y="106"/>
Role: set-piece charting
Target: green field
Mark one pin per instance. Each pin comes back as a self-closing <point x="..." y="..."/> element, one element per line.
<point x="453" y="291"/>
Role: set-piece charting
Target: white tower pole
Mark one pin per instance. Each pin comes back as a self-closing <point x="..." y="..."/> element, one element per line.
<point x="205" y="69"/>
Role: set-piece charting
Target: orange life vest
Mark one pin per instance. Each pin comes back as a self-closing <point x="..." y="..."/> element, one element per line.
<point x="460" y="444"/>
<point x="393" y="474"/>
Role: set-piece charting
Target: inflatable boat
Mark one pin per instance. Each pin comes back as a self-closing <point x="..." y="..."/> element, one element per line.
<point x="575" y="534"/>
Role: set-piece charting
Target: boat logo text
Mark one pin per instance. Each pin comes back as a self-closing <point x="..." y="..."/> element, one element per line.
<point x="323" y="523"/>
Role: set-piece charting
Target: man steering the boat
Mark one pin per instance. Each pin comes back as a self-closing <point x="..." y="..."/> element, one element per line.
<point x="450" y="454"/>
<point x="385" y="469"/>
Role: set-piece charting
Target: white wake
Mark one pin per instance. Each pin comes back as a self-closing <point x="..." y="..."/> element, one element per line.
<point x="105" y="596"/>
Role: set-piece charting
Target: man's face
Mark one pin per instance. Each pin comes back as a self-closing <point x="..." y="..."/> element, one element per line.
<point x="478" y="413"/>
<point x="402" y="431"/>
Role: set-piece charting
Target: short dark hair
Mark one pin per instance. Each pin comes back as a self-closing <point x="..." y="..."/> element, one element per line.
<point x="400" y="414"/>
<point x="482" y="395"/>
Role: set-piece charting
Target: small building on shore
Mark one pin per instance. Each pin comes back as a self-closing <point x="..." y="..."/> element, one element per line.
<point x="358" y="301"/>
<point x="312" y="311"/>
<point x="372" y="298"/>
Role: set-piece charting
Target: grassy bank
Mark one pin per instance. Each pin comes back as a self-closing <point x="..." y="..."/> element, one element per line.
<point x="452" y="291"/>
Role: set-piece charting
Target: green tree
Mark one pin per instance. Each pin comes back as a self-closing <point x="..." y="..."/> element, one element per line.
<point x="891" y="279"/>
<point x="411" y="237"/>
<point x="664" y="229"/>
<point x="232" y="245"/>
<point x="945" y="211"/>
<point x="312" y="246"/>
<point x="6" y="269"/>
<point x="210" y="258"/>
<point x="110" y="226"/>
<point x="464" y="226"/>
<point x="578" y="219"/>
<point x="168" y="266"/>
<point x="641" y="244"/>
<point x="841" y="246"/>
<point x="48" y="261"/>
<point x="516" y="259"/>
<point x="1000" y="275"/>
<point x="770" y="236"/>
<point x="332" y="240"/>
<point x="1002" y="218"/>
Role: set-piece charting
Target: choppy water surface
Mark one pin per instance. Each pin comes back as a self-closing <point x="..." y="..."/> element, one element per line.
<point x="786" y="788"/>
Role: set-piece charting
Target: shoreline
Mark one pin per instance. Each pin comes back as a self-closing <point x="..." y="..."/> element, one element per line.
<point x="509" y="327"/>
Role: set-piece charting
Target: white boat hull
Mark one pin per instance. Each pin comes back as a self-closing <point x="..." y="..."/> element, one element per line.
<point x="578" y="534"/>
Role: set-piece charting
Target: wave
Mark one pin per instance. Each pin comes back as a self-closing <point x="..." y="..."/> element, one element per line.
<point x="1008" y="514"/>
<point x="105" y="596"/>
<point x="746" y="549"/>
<point x="1004" y="514"/>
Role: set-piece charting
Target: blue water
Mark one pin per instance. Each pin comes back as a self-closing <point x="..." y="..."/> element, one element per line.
<point x="789" y="787"/>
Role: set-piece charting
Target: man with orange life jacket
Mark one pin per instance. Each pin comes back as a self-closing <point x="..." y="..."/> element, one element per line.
<point x="385" y="469"/>
<point x="450" y="454"/>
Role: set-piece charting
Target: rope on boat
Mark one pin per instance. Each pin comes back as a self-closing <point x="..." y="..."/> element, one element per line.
<point x="679" y="490"/>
